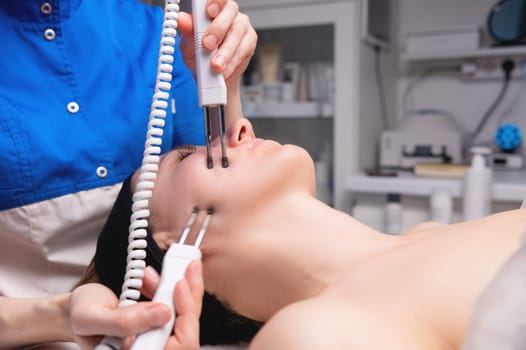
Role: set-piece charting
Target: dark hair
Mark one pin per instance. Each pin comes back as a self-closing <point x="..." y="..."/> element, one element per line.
<point x="218" y="324"/>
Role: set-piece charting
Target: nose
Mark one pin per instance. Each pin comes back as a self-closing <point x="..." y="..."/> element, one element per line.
<point x="240" y="132"/>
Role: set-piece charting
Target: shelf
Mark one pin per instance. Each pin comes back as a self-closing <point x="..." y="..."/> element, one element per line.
<point x="263" y="4"/>
<point x="509" y="51"/>
<point x="305" y="110"/>
<point x="508" y="186"/>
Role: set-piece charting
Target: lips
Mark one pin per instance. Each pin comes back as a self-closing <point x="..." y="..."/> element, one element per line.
<point x="257" y="141"/>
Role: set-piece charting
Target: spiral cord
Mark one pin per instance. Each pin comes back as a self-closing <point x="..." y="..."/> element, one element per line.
<point x="135" y="263"/>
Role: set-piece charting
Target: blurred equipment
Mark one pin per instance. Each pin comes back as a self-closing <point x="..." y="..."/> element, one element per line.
<point x="507" y="67"/>
<point x="443" y="40"/>
<point x="511" y="161"/>
<point x="424" y="137"/>
<point x="448" y="171"/>
<point x="478" y="180"/>
<point x="376" y="24"/>
<point x="508" y="139"/>
<point x="507" y="22"/>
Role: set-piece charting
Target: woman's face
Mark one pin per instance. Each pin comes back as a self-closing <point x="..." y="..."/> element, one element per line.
<point x="259" y="172"/>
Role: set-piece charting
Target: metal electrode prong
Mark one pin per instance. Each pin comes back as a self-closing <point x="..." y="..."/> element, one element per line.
<point x="190" y="223"/>
<point x="208" y="138"/>
<point x="210" y="113"/>
<point x="222" y="133"/>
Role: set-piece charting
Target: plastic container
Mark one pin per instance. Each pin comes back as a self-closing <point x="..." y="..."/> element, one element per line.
<point x="441" y="206"/>
<point x="478" y="180"/>
<point x="393" y="214"/>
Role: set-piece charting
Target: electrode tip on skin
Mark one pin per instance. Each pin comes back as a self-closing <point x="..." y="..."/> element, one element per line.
<point x="209" y="163"/>
<point x="224" y="160"/>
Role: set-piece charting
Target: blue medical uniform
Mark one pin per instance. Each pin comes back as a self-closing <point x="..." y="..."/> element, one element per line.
<point x="76" y="84"/>
<point x="75" y="91"/>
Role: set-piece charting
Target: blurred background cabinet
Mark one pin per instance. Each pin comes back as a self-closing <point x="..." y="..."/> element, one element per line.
<point x="319" y="48"/>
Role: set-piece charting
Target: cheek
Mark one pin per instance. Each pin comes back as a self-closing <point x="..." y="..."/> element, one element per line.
<point x="196" y="184"/>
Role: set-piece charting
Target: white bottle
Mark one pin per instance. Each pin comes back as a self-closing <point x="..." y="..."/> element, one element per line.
<point x="393" y="214"/>
<point x="478" y="180"/>
<point x="441" y="205"/>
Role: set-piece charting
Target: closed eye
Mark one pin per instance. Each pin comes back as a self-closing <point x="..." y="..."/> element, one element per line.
<point x="173" y="158"/>
<point x="185" y="152"/>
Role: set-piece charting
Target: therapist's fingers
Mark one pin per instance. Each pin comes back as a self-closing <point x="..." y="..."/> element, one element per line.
<point x="223" y="14"/>
<point x="150" y="282"/>
<point x="186" y="329"/>
<point x="128" y="320"/>
<point x="186" y="28"/>
<point x="188" y="298"/>
<point x="94" y="310"/>
<point x="230" y="32"/>
<point x="238" y="48"/>
<point x="194" y="277"/>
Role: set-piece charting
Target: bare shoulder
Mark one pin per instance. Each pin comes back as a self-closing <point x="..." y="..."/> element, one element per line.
<point x="323" y="323"/>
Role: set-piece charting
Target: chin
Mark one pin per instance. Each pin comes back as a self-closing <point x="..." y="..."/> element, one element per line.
<point x="298" y="152"/>
<point x="302" y="164"/>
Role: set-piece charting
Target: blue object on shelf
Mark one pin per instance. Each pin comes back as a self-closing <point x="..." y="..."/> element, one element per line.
<point x="508" y="137"/>
<point x="507" y="21"/>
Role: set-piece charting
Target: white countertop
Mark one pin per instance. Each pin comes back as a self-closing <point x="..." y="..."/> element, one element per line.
<point x="507" y="185"/>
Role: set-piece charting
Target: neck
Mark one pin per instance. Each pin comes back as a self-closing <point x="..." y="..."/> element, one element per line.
<point x="259" y="261"/>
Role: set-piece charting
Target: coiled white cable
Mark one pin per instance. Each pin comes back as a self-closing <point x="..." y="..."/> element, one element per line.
<point x="135" y="263"/>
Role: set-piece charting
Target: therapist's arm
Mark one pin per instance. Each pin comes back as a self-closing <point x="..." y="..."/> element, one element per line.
<point x="80" y="316"/>
<point x="25" y="321"/>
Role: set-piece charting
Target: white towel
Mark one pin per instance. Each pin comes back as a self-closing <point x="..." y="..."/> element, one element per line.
<point x="499" y="319"/>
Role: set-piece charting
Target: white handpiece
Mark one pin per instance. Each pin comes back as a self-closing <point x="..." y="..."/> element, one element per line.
<point x="211" y="84"/>
<point x="175" y="262"/>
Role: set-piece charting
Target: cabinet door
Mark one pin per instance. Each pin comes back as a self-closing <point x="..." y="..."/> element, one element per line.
<point x="289" y="93"/>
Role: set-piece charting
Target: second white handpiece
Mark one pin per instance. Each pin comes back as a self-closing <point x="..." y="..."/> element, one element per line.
<point x="175" y="262"/>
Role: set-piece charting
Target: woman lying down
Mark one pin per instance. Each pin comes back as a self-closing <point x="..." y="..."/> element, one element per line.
<point x="313" y="276"/>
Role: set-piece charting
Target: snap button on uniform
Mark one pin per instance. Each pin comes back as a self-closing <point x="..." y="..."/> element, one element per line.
<point x="49" y="34"/>
<point x="46" y="8"/>
<point x="102" y="172"/>
<point x="73" y="107"/>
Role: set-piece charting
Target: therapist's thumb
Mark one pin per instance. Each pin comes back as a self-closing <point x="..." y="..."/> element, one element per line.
<point x="157" y="315"/>
<point x="138" y="318"/>
<point x="148" y="315"/>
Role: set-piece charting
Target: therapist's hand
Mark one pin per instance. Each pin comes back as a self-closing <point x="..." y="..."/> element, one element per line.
<point x="188" y="296"/>
<point x="94" y="310"/>
<point x="230" y="32"/>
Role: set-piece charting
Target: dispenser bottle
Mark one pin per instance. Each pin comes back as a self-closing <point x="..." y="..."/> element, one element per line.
<point x="478" y="180"/>
<point x="393" y="214"/>
<point x="441" y="205"/>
